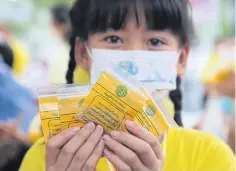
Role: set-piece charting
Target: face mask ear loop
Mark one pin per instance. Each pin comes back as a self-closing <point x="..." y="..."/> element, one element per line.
<point x="88" y="50"/>
<point x="180" y="52"/>
<point x="89" y="54"/>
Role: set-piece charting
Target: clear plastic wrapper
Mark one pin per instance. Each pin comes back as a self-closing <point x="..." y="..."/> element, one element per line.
<point x="70" y="100"/>
<point x="158" y="98"/>
<point x="111" y="102"/>
<point x="49" y="111"/>
<point x="154" y="117"/>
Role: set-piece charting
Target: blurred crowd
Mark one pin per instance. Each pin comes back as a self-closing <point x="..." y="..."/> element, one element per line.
<point x="21" y="73"/>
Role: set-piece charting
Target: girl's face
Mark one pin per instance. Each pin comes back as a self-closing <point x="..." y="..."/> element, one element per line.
<point x="132" y="37"/>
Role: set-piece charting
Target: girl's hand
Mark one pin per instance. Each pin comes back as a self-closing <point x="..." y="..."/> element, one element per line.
<point x="138" y="151"/>
<point x="75" y="149"/>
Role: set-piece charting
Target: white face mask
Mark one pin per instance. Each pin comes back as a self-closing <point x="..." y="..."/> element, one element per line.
<point x="155" y="69"/>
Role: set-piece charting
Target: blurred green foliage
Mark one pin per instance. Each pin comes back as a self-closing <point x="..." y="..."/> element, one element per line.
<point x="50" y="3"/>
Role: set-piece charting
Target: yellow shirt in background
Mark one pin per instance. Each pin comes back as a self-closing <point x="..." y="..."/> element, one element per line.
<point x="21" y="56"/>
<point x="216" y="70"/>
<point x="186" y="150"/>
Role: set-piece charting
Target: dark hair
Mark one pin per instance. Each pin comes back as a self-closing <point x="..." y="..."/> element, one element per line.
<point x="91" y="16"/>
<point x="60" y="14"/>
<point x="72" y="63"/>
<point x="7" y="54"/>
<point x="12" y="154"/>
<point x="176" y="98"/>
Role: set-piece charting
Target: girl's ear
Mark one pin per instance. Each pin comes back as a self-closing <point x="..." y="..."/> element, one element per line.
<point x="81" y="56"/>
<point x="183" y="59"/>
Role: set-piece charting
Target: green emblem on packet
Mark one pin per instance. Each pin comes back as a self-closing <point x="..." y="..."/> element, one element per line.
<point x="150" y="111"/>
<point x="121" y="91"/>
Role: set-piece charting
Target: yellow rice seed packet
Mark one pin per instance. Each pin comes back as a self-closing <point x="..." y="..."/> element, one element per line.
<point x="111" y="102"/>
<point x="50" y="119"/>
<point x="151" y="117"/>
<point x="69" y="109"/>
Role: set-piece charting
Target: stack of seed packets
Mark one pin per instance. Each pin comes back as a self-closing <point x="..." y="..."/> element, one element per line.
<point x="110" y="102"/>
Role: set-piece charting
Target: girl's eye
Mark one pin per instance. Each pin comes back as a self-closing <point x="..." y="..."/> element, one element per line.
<point x="155" y="42"/>
<point x="113" y="40"/>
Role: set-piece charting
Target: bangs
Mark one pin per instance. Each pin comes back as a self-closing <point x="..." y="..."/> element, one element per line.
<point x="92" y="16"/>
<point x="114" y="14"/>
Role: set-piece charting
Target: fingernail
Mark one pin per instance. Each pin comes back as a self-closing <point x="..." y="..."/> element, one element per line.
<point x="105" y="138"/>
<point x="100" y="129"/>
<point x="74" y="130"/>
<point x="106" y="153"/>
<point x="101" y="143"/>
<point x="129" y="123"/>
<point x="115" y="134"/>
<point x="90" y="126"/>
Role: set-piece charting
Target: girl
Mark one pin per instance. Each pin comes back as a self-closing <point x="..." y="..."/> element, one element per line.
<point x="147" y="25"/>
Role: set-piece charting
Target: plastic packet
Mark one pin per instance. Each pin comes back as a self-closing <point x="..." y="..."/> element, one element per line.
<point x="111" y="102"/>
<point x="49" y="111"/>
<point x="70" y="100"/>
<point x="158" y="98"/>
<point x="152" y="117"/>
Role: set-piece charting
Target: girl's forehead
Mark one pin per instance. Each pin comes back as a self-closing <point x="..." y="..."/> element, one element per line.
<point x="132" y="28"/>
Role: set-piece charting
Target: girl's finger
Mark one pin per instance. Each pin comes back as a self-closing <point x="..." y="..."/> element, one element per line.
<point x="147" y="136"/>
<point x="124" y="153"/>
<point x="54" y="145"/>
<point x="91" y="163"/>
<point x="86" y="150"/>
<point x="73" y="145"/>
<point x="140" y="147"/>
<point x="116" y="161"/>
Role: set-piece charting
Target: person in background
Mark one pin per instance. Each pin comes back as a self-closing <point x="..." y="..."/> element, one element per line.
<point x="13" y="145"/>
<point x="20" y="53"/>
<point x="226" y="89"/>
<point x="14" y="99"/>
<point x="60" y="21"/>
<point x="60" y="24"/>
<point x="7" y="53"/>
<point x="13" y="123"/>
<point x="219" y="80"/>
<point x="148" y="25"/>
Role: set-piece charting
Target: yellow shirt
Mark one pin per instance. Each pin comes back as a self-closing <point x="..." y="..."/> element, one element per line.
<point x="186" y="150"/>
<point x="81" y="76"/>
<point x="21" y="56"/>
